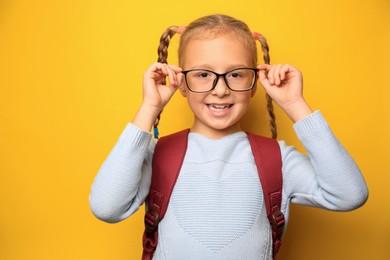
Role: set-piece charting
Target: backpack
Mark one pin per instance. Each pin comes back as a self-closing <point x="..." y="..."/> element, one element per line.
<point x="167" y="161"/>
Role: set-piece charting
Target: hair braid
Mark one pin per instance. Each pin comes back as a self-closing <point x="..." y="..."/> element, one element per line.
<point x="270" y="106"/>
<point x="165" y="38"/>
<point x="162" y="52"/>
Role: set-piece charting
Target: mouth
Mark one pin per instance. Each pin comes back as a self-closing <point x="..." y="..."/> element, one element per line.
<point x="219" y="107"/>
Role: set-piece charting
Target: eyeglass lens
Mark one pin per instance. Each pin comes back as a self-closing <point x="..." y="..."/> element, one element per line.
<point x="204" y="80"/>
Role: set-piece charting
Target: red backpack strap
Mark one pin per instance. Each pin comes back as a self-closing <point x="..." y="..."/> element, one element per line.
<point x="167" y="161"/>
<point x="266" y="152"/>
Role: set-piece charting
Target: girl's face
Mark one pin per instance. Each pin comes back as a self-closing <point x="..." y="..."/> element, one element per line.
<point x="217" y="113"/>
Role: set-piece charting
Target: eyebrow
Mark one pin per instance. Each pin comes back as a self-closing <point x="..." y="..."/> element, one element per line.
<point x="230" y="67"/>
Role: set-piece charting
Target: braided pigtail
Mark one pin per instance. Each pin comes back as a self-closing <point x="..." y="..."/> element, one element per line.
<point x="162" y="51"/>
<point x="270" y="106"/>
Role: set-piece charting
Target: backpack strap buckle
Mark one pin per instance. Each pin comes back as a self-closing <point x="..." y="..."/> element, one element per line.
<point x="277" y="222"/>
<point x="151" y="220"/>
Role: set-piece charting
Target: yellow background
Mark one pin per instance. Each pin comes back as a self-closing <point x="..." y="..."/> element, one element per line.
<point x="70" y="80"/>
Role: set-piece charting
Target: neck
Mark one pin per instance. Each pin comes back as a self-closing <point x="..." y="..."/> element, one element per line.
<point x="215" y="133"/>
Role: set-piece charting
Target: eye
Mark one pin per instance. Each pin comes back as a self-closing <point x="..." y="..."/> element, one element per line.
<point x="235" y="74"/>
<point x="202" y="74"/>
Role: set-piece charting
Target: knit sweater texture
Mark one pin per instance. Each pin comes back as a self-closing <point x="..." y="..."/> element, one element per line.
<point x="217" y="209"/>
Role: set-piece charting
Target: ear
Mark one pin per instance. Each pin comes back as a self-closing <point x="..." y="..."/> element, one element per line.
<point x="183" y="90"/>
<point x="253" y="91"/>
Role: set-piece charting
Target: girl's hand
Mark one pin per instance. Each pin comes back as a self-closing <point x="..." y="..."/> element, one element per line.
<point x="156" y="93"/>
<point x="284" y="84"/>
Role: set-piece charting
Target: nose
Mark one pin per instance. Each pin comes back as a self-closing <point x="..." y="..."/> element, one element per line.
<point x="220" y="89"/>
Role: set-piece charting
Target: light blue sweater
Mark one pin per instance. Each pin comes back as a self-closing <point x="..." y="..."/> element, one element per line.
<point x="217" y="209"/>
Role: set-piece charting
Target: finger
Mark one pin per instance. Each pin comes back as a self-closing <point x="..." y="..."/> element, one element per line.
<point x="263" y="79"/>
<point x="171" y="76"/>
<point x="276" y="74"/>
<point x="263" y="74"/>
<point x="158" y="71"/>
<point x="151" y="73"/>
<point x="271" y="74"/>
<point x="284" y="71"/>
<point x="180" y="78"/>
<point x="264" y="67"/>
<point x="177" y="72"/>
<point x="176" y="69"/>
<point x="164" y="70"/>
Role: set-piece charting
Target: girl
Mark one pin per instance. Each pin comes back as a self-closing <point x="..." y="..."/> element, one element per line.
<point x="216" y="210"/>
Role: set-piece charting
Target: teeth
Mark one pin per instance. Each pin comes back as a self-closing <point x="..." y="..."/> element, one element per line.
<point x="218" y="107"/>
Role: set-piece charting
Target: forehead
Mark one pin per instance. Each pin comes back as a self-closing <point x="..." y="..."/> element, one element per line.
<point x="216" y="51"/>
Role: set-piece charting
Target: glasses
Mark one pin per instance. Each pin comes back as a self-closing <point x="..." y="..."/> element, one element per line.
<point x="202" y="80"/>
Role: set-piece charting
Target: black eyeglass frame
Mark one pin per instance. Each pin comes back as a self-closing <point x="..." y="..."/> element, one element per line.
<point x="217" y="78"/>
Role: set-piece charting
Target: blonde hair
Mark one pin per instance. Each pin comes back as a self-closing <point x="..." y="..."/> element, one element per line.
<point x="213" y="26"/>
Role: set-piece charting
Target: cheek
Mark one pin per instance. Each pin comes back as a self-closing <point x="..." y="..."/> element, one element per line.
<point x="244" y="103"/>
<point x="195" y="100"/>
<point x="245" y="98"/>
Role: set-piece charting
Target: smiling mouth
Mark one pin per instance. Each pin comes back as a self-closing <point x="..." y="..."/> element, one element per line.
<point x="217" y="108"/>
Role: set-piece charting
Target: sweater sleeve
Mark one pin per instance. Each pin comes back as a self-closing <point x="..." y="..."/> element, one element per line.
<point x="123" y="181"/>
<point x="328" y="177"/>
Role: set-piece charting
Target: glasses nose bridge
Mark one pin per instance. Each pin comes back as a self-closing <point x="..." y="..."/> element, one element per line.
<point x="217" y="76"/>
